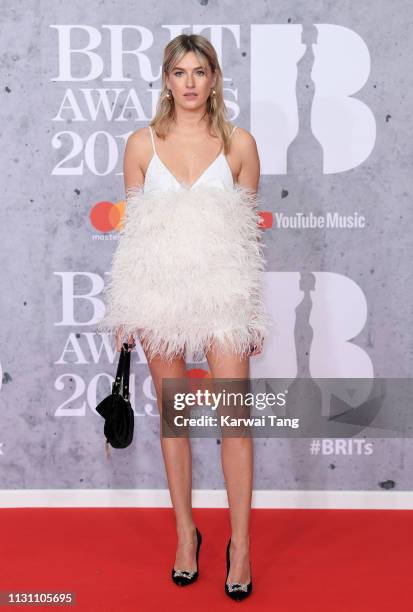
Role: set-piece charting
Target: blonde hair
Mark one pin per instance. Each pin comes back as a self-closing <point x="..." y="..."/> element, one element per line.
<point x="215" y="107"/>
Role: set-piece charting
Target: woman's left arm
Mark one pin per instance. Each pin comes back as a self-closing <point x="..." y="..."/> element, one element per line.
<point x="249" y="178"/>
<point x="249" y="175"/>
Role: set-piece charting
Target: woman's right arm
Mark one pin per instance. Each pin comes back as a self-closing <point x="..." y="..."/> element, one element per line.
<point x="136" y="151"/>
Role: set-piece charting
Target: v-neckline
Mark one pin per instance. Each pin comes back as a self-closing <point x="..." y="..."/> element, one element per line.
<point x="182" y="183"/>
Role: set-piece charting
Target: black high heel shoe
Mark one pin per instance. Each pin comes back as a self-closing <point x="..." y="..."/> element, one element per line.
<point x="236" y="590"/>
<point x="184" y="577"/>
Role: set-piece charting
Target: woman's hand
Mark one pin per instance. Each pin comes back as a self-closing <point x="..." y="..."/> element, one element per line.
<point x="256" y="349"/>
<point x="119" y="340"/>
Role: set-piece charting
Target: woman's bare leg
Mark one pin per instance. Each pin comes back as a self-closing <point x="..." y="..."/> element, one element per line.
<point x="178" y="464"/>
<point x="237" y="465"/>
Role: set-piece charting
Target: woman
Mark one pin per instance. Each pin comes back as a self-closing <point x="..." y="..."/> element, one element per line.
<point x="187" y="273"/>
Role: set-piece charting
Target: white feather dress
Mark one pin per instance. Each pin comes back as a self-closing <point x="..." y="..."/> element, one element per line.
<point x="188" y="266"/>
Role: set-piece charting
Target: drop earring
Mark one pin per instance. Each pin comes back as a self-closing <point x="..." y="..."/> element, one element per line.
<point x="213" y="100"/>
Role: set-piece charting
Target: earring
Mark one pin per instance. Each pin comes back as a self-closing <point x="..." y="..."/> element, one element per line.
<point x="168" y="95"/>
<point x="213" y="100"/>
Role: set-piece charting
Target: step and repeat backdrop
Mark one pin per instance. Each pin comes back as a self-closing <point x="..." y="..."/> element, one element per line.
<point x="326" y="90"/>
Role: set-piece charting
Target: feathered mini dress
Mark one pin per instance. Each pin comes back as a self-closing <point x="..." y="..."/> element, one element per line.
<point x="188" y="267"/>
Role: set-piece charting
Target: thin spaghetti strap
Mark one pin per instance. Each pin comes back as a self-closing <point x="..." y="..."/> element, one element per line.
<point x="153" y="142"/>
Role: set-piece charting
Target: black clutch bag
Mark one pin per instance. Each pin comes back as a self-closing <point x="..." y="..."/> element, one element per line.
<point x="116" y="408"/>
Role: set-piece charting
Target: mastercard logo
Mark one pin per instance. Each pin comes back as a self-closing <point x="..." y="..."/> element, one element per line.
<point x="198" y="373"/>
<point x="107" y="216"/>
<point x="196" y="376"/>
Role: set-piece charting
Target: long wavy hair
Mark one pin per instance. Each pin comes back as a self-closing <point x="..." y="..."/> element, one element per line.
<point x="215" y="107"/>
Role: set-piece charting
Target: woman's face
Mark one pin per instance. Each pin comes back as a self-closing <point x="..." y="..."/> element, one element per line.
<point x="190" y="81"/>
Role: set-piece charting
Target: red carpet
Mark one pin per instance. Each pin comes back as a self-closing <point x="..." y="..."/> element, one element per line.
<point x="119" y="560"/>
